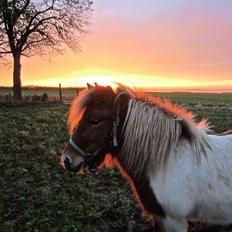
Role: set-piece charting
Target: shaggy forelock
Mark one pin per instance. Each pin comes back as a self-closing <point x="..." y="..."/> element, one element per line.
<point x="77" y="108"/>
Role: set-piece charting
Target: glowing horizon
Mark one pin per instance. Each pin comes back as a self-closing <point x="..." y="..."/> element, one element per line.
<point x="106" y="77"/>
<point x="158" y="83"/>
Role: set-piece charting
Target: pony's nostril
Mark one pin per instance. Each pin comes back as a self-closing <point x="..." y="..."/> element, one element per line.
<point x="67" y="162"/>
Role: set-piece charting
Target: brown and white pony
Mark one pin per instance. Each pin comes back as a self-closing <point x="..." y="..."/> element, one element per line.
<point x="178" y="172"/>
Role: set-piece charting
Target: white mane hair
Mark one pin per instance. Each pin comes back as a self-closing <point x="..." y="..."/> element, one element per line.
<point x="152" y="129"/>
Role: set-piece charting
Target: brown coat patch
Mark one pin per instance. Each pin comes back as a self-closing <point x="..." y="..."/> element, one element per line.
<point x="143" y="194"/>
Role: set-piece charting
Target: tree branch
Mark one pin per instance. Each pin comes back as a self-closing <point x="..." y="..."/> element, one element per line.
<point x="50" y="25"/>
<point x="5" y="52"/>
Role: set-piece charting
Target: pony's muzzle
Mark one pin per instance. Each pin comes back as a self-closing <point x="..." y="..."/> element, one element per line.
<point x="69" y="165"/>
<point x="67" y="162"/>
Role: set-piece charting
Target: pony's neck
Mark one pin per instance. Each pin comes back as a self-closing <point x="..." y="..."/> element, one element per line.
<point x="149" y="135"/>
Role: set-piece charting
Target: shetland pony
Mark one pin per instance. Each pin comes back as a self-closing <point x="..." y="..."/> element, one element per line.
<point x="178" y="169"/>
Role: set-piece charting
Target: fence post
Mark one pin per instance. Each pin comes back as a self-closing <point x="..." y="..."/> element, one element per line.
<point x="60" y="92"/>
<point x="77" y="91"/>
<point x="9" y="98"/>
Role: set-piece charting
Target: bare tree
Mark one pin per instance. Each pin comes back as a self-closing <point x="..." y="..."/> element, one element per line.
<point x="29" y="27"/>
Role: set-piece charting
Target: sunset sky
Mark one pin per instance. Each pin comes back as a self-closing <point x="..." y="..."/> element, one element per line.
<point x="160" y="44"/>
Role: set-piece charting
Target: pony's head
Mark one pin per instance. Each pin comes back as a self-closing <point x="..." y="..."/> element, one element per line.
<point x="94" y="127"/>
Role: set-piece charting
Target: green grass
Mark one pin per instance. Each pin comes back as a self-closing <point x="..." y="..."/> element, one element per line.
<point x="195" y="98"/>
<point x="67" y="93"/>
<point x="36" y="194"/>
<point x="177" y="97"/>
<point x="216" y="108"/>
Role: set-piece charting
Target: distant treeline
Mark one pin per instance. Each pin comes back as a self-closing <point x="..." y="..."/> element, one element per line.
<point x="32" y="87"/>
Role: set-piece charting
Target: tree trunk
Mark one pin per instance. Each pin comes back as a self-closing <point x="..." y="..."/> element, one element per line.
<point x="17" y="76"/>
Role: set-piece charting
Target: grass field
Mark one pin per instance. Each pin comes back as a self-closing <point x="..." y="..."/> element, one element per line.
<point x="67" y="93"/>
<point x="177" y="97"/>
<point x="36" y="194"/>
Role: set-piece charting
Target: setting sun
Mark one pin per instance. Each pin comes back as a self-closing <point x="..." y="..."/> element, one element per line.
<point x="100" y="80"/>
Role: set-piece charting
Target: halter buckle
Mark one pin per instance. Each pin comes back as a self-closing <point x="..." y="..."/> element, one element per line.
<point x="115" y="125"/>
<point x="116" y="122"/>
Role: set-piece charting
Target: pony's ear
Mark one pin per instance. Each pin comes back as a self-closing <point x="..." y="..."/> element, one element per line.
<point x="96" y="84"/>
<point x="119" y="90"/>
<point x="109" y="87"/>
<point x="89" y="86"/>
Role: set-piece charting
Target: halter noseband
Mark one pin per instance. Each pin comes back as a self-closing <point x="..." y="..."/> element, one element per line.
<point x="80" y="151"/>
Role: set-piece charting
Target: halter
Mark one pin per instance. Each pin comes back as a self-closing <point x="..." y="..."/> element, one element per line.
<point x="80" y="151"/>
<point x="88" y="157"/>
<point x="114" y="133"/>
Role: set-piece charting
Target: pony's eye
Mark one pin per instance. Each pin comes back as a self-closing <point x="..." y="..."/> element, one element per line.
<point x="94" y="121"/>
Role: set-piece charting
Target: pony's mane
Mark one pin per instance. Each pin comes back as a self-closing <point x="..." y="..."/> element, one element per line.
<point x="159" y="121"/>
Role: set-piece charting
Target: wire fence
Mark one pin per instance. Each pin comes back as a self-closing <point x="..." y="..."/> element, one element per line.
<point x="39" y="95"/>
